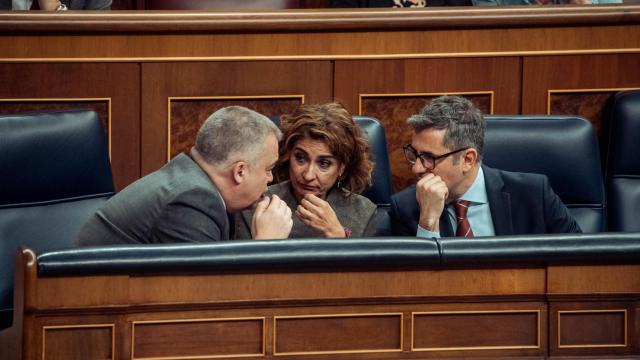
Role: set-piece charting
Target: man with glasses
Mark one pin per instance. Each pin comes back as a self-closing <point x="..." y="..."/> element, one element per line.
<point x="456" y="195"/>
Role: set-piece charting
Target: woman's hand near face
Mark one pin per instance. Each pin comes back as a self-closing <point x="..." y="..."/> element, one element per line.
<point x="318" y="214"/>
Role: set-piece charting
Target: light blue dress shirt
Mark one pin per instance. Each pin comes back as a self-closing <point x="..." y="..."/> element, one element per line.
<point x="479" y="213"/>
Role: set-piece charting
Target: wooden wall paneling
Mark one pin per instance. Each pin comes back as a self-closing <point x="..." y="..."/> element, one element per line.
<point x="191" y="338"/>
<point x="341" y="334"/>
<point x="186" y="114"/>
<point x="199" y="88"/>
<point x="320" y="34"/>
<point x="588" y="328"/>
<point x="93" y="341"/>
<point x="578" y="84"/>
<point x="392" y="90"/>
<point x="112" y="89"/>
<point x="582" y="320"/>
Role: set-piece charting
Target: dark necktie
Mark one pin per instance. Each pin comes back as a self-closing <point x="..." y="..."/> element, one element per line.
<point x="464" y="228"/>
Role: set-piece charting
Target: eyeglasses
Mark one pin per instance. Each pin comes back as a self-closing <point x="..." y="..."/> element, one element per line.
<point x="428" y="161"/>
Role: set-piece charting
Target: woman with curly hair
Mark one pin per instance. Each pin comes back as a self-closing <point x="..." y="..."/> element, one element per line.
<point x="324" y="162"/>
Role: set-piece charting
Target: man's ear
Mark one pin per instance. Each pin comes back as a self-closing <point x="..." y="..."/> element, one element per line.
<point x="239" y="172"/>
<point x="469" y="158"/>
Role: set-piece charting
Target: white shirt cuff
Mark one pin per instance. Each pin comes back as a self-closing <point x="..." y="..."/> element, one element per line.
<point x="424" y="233"/>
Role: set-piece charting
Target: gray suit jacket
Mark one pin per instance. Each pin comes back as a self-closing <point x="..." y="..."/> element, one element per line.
<point x="177" y="203"/>
<point x="355" y="212"/>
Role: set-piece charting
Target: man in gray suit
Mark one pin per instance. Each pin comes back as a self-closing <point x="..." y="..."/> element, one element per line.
<point x="188" y="200"/>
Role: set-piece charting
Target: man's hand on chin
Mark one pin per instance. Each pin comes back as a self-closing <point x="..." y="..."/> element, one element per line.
<point x="431" y="194"/>
<point x="271" y="219"/>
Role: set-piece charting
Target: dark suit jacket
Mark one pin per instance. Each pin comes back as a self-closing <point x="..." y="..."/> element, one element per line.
<point x="177" y="203"/>
<point x="389" y="3"/>
<point x="520" y="204"/>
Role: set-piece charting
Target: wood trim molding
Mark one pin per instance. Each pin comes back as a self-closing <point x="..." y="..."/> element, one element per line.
<point x="72" y="100"/>
<point x="537" y="312"/>
<point x="594" y="311"/>
<point x="551" y="92"/>
<point x="317" y="20"/>
<point x="491" y="93"/>
<point x="230" y="97"/>
<point x="112" y="327"/>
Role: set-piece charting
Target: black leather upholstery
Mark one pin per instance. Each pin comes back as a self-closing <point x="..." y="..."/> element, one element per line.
<point x="319" y="254"/>
<point x="548" y="249"/>
<point x="623" y="162"/>
<point x="55" y="172"/>
<point x="241" y="255"/>
<point x="561" y="147"/>
<point x="381" y="188"/>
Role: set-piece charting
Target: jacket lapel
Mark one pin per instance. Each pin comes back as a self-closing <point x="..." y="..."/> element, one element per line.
<point x="499" y="202"/>
<point x="446" y="229"/>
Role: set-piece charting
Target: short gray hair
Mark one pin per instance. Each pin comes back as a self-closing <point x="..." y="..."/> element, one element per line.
<point x="234" y="133"/>
<point x="461" y="120"/>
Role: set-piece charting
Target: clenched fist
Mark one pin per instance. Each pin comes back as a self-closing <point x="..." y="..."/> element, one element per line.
<point x="431" y="193"/>
<point x="271" y="219"/>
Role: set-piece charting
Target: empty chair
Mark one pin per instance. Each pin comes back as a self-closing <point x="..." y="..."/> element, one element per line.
<point x="623" y="162"/>
<point x="55" y="173"/>
<point x="563" y="148"/>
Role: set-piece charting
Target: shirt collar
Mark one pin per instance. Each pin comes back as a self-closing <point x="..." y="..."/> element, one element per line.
<point x="477" y="192"/>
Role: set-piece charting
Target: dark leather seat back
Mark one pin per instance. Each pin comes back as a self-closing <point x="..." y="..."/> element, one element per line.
<point x="55" y="173"/>
<point x="563" y="148"/>
<point x="380" y="190"/>
<point x="623" y="162"/>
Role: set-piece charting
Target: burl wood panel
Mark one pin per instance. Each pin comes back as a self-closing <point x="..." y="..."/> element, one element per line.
<point x="79" y="343"/>
<point x="160" y="81"/>
<point x="119" y="82"/>
<point x="336" y="334"/>
<point x="17" y="107"/>
<point x="591" y="76"/>
<point x="459" y="331"/>
<point x="188" y="115"/>
<point x="587" y="104"/>
<point x="393" y="111"/>
<point x="597" y="328"/>
<point x="500" y="76"/>
<point x="198" y="338"/>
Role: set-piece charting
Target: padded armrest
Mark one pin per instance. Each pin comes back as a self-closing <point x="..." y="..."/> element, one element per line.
<point x="548" y="249"/>
<point x="240" y="256"/>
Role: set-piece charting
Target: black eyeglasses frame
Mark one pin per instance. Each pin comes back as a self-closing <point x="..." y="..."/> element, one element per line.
<point x="425" y="158"/>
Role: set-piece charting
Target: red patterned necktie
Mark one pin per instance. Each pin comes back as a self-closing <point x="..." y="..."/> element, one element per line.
<point x="464" y="228"/>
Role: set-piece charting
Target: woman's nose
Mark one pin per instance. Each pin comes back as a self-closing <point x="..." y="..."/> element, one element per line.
<point x="309" y="173"/>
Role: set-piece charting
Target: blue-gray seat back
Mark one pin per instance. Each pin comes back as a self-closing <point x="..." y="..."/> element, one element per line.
<point x="55" y="173"/>
<point x="623" y="162"/>
<point x="563" y="148"/>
